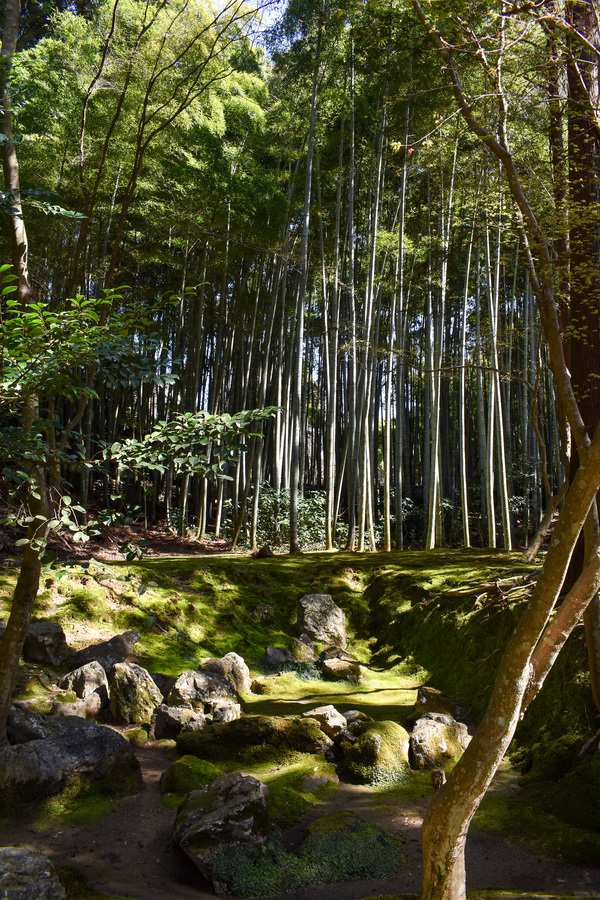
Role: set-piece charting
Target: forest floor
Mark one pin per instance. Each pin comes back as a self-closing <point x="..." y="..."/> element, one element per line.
<point x="129" y="853"/>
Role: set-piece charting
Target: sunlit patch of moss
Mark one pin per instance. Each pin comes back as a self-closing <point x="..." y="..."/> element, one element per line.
<point x="185" y="775"/>
<point x="136" y="736"/>
<point x="382" y="695"/>
<point x="80" y="804"/>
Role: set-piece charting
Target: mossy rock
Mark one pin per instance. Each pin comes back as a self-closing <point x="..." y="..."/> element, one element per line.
<point x="286" y="806"/>
<point x="255" y="739"/>
<point x="136" y="736"/>
<point x="378" y="754"/>
<point x="185" y="775"/>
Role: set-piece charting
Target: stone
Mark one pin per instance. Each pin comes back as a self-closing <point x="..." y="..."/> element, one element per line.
<point x="46" y="643"/>
<point x="376" y="751"/>
<point x="254" y="738"/>
<point x="230" y="811"/>
<point x="200" y="690"/>
<point x="163" y="682"/>
<point x="303" y="649"/>
<point x="436" y="740"/>
<point x="108" y="653"/>
<point x="332" y="722"/>
<point x="78" y="708"/>
<point x="265" y="614"/>
<point x="41" y="768"/>
<point x="28" y="875"/>
<point x="277" y="657"/>
<point x="226" y="711"/>
<point x="355" y="715"/>
<point x="264" y="553"/>
<point x="85" y="681"/>
<point x="133" y="694"/>
<point x="232" y="667"/>
<point x="342" y="670"/>
<point x="169" y="721"/>
<point x="25" y="725"/>
<point x="322" y="620"/>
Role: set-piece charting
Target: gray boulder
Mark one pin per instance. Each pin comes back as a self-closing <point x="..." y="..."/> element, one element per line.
<point x="24" y="725"/>
<point x="275" y="657"/>
<point x="108" y="653"/>
<point x="133" y="694"/>
<point x="232" y="667"/>
<point x="40" y="768"/>
<point x="169" y="721"/>
<point x="46" y="643"/>
<point x="436" y="740"/>
<point x="85" y="680"/>
<point x="321" y="619"/>
<point x="27" y="875"/>
<point x="332" y="722"/>
<point x="230" y="811"/>
<point x="200" y="690"/>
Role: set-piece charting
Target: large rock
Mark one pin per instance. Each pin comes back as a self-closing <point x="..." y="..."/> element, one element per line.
<point x="108" y="653"/>
<point x="436" y="740"/>
<point x="332" y="722"/>
<point x="169" y="721"/>
<point x="342" y="670"/>
<point x="46" y="643"/>
<point x="278" y="657"/>
<point x="322" y="620"/>
<point x="27" y="875"/>
<point x="200" y="690"/>
<point x="256" y="738"/>
<point x="87" y="680"/>
<point x="375" y="752"/>
<point x="133" y="694"/>
<point x="40" y="768"/>
<point x="230" y="811"/>
<point x="303" y="650"/>
<point x="232" y="667"/>
<point x="24" y="725"/>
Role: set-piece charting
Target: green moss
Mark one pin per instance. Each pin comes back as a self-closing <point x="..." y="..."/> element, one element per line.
<point x="539" y="831"/>
<point x="378" y="754"/>
<point x="253" y="739"/>
<point x="356" y="850"/>
<point x="81" y="803"/>
<point x="136" y="736"/>
<point x="286" y="806"/>
<point x="185" y="775"/>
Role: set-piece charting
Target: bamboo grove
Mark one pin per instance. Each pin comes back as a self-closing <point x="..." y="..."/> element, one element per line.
<point x="302" y="222"/>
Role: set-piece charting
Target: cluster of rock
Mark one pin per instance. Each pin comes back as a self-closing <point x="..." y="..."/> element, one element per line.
<point x="203" y="710"/>
<point x="319" y="621"/>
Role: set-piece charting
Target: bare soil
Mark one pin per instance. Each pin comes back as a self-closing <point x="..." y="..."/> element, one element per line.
<point x="129" y="853"/>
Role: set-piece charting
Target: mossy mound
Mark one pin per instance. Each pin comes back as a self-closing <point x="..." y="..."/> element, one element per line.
<point x="377" y="755"/>
<point x="255" y="739"/>
<point x="185" y="775"/>
<point x="346" y="848"/>
<point x="286" y="806"/>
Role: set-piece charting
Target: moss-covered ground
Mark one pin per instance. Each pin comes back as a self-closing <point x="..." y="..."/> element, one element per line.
<point x="438" y="618"/>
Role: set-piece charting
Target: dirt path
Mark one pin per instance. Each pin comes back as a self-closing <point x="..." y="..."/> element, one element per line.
<point x="130" y="852"/>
